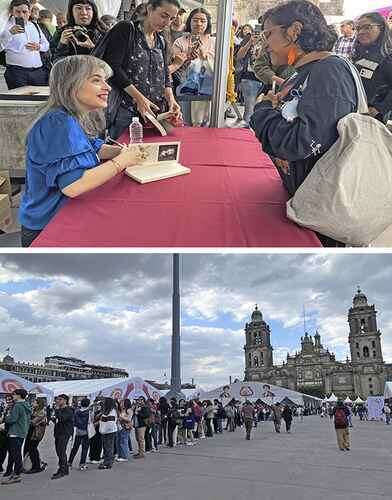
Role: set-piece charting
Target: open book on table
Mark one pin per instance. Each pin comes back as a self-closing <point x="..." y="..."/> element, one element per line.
<point x="159" y="161"/>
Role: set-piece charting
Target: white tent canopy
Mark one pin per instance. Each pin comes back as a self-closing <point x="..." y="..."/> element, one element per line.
<point x="347" y="400"/>
<point x="388" y="390"/>
<point x="332" y="398"/>
<point x="197" y="393"/>
<point x="118" y="388"/>
<point x="359" y="400"/>
<point x="253" y="391"/>
<point x="9" y="382"/>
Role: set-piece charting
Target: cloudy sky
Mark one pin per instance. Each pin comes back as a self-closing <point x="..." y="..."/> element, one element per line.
<point x="116" y="309"/>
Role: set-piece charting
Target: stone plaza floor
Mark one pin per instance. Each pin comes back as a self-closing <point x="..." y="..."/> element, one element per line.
<point x="303" y="465"/>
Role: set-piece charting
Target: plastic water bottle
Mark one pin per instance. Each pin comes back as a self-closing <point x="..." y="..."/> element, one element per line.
<point x="136" y="131"/>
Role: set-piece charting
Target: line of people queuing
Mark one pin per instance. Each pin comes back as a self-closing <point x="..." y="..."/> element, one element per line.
<point x="102" y="430"/>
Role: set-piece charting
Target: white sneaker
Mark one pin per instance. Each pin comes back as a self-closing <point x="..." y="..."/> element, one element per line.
<point x="121" y="460"/>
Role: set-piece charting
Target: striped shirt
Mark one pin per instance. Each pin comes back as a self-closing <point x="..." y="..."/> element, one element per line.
<point x="345" y="46"/>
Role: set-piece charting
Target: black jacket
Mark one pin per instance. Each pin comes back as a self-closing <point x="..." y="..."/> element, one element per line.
<point x="143" y="417"/>
<point x="376" y="73"/>
<point x="328" y="95"/>
<point x="81" y="419"/>
<point x="64" y="423"/>
<point x="287" y="414"/>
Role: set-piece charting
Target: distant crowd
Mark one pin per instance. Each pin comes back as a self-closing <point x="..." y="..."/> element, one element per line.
<point x="102" y="429"/>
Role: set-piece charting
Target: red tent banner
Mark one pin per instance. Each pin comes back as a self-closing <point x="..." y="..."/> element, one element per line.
<point x="385" y="11"/>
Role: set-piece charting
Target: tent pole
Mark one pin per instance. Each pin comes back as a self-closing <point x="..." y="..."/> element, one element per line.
<point x="221" y="66"/>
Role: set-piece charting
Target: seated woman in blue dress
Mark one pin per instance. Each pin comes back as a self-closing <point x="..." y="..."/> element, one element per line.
<point x="64" y="153"/>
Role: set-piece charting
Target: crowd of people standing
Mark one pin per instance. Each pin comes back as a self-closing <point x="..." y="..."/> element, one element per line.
<point x="101" y="430"/>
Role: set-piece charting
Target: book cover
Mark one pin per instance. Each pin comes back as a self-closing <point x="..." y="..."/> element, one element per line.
<point x="159" y="161"/>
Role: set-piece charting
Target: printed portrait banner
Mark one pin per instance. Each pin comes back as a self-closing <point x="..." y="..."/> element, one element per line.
<point x="119" y="388"/>
<point x="375" y="405"/>
<point x="253" y="391"/>
<point x="130" y="389"/>
<point x="9" y="382"/>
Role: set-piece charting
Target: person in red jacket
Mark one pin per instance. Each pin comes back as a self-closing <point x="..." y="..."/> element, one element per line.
<point x="341" y="414"/>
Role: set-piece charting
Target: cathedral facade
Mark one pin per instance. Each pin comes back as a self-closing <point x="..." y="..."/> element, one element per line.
<point x="314" y="368"/>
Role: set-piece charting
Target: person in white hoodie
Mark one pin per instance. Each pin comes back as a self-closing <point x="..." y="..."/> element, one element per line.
<point x="108" y="430"/>
<point x="23" y="41"/>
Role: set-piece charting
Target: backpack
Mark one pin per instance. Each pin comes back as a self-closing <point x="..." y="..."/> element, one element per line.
<point x="348" y="193"/>
<point x="341" y="421"/>
<point x="189" y="422"/>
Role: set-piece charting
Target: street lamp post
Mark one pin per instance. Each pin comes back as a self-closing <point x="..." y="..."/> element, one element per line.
<point x="175" y="390"/>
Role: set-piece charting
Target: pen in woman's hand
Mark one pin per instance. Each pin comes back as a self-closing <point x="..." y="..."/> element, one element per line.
<point x="109" y="139"/>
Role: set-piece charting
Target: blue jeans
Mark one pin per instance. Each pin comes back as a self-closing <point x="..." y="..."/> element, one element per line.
<point x="122" y="443"/>
<point x="250" y="90"/>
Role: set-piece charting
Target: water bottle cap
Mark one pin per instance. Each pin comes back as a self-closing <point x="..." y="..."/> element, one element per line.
<point x="135" y="119"/>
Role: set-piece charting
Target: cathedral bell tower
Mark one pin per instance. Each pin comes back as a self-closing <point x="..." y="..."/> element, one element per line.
<point x="258" y="349"/>
<point x="364" y="337"/>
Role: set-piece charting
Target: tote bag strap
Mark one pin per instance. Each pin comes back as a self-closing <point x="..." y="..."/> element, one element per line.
<point x="362" y="108"/>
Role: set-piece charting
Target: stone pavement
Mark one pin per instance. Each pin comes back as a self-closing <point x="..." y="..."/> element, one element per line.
<point x="303" y="465"/>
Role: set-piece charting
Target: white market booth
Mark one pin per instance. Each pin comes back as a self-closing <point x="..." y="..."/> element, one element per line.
<point x="117" y="388"/>
<point x="332" y="398"/>
<point x="9" y="382"/>
<point x="268" y="393"/>
<point x="388" y="390"/>
<point x="197" y="393"/>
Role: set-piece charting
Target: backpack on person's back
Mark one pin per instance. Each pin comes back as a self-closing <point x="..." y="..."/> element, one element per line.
<point x="341" y="421"/>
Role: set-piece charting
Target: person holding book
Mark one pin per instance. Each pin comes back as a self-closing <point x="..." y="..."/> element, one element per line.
<point x="137" y="53"/>
<point x="192" y="65"/>
<point x="70" y="123"/>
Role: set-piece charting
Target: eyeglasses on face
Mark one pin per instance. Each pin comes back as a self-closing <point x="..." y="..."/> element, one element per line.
<point x="266" y="34"/>
<point x="366" y="27"/>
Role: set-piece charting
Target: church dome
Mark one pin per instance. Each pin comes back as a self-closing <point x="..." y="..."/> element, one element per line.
<point x="360" y="299"/>
<point x="256" y="315"/>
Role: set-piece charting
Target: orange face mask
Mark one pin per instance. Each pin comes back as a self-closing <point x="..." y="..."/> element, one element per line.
<point x="292" y="55"/>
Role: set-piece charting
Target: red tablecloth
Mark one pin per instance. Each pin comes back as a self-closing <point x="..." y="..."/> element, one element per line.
<point x="232" y="198"/>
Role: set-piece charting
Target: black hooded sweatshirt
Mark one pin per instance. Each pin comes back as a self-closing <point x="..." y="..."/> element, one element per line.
<point x="320" y="94"/>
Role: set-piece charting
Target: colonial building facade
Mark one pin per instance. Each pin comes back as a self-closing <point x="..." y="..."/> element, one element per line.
<point x="59" y="368"/>
<point x="314" y="368"/>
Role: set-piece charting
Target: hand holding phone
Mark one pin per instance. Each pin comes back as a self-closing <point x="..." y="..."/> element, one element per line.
<point x="19" y="21"/>
<point x="16" y="30"/>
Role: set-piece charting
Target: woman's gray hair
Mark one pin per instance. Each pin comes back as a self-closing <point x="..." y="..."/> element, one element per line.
<point x="66" y="79"/>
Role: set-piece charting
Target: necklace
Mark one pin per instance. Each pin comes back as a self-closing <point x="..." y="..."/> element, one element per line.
<point x="150" y="38"/>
